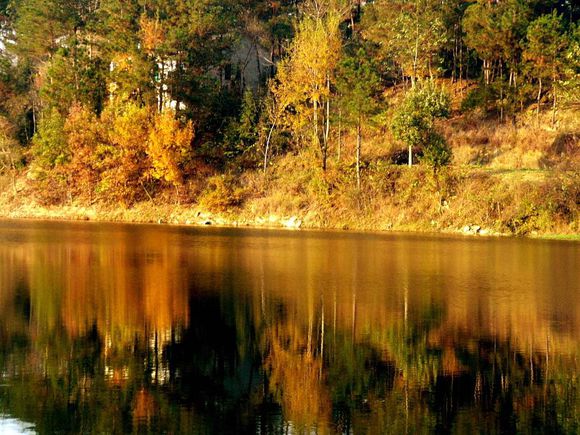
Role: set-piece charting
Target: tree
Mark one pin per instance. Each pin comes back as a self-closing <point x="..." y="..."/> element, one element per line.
<point x="545" y="52"/>
<point x="41" y="29"/>
<point x="243" y="132"/>
<point x="131" y="72"/>
<point x="495" y="30"/>
<point x="414" y="120"/>
<point x="49" y="144"/>
<point x="74" y="76"/>
<point x="303" y="83"/>
<point x="358" y="85"/>
<point x="123" y="160"/>
<point x="84" y="135"/>
<point x="169" y="147"/>
<point x="410" y="31"/>
<point x="8" y="151"/>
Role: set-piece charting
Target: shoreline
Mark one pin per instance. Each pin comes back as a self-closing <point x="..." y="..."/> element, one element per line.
<point x="192" y="217"/>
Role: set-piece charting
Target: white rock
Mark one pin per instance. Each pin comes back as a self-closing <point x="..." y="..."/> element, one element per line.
<point x="292" y="222"/>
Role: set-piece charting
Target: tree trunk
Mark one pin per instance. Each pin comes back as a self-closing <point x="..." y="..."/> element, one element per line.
<point x="339" y="144"/>
<point x="410" y="155"/>
<point x="501" y="92"/>
<point x="415" y="59"/>
<point x="161" y="84"/>
<point x="461" y="66"/>
<point x="358" y="149"/>
<point x="327" y="127"/>
<point x="554" y="105"/>
<point x="267" y="146"/>
<point x="539" y="99"/>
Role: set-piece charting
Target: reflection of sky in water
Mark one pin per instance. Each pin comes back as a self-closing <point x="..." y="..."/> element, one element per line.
<point x="9" y="426"/>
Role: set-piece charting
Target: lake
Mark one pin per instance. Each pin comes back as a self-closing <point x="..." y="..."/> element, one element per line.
<point x="108" y="328"/>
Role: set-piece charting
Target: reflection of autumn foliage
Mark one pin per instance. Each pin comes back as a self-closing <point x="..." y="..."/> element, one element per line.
<point x="124" y="289"/>
<point x="144" y="407"/>
<point x="296" y="376"/>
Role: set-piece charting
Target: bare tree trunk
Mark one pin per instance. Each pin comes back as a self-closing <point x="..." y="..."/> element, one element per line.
<point x="339" y="138"/>
<point x="327" y="127"/>
<point x="501" y="91"/>
<point x="455" y="56"/>
<point x="161" y="85"/>
<point x="258" y="66"/>
<point x="554" y="105"/>
<point x="358" y="149"/>
<point x="415" y="59"/>
<point x="267" y="146"/>
<point x="539" y="99"/>
<point x="410" y="156"/>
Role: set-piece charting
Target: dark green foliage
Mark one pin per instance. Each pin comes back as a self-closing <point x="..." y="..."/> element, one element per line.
<point x="358" y="85"/>
<point x="413" y="123"/>
<point x="50" y="146"/>
<point x="74" y="76"/>
<point x="436" y="151"/>
<point x="242" y="134"/>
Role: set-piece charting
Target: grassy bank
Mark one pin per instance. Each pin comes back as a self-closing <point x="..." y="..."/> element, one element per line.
<point x="456" y="199"/>
<point x="514" y="178"/>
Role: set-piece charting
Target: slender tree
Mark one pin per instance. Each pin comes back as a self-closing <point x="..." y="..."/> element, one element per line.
<point x="358" y="85"/>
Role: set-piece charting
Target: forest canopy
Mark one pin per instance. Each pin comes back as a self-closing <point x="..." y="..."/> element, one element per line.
<point x="109" y="100"/>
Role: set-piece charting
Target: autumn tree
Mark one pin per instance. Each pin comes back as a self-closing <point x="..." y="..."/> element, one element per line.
<point x="169" y="148"/>
<point x="303" y="83"/>
<point x="85" y="135"/>
<point x="123" y="160"/>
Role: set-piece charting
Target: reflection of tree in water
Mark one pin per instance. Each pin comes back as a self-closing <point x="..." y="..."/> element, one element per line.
<point x="229" y="367"/>
<point x="153" y="349"/>
<point x="293" y="364"/>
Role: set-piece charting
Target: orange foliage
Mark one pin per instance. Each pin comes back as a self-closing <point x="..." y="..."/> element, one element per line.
<point x="296" y="376"/>
<point x="152" y="33"/>
<point x="169" y="147"/>
<point x="84" y="134"/>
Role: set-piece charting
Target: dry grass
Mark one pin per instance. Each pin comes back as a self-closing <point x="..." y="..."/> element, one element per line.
<point x="518" y="178"/>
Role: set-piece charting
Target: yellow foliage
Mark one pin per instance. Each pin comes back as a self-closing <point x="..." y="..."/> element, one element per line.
<point x="123" y="157"/>
<point x="303" y="80"/>
<point x="169" y="146"/>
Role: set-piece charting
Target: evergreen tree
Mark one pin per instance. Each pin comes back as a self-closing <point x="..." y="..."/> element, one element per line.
<point x="358" y="85"/>
<point x="545" y="53"/>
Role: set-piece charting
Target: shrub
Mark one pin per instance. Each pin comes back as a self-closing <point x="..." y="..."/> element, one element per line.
<point x="221" y="194"/>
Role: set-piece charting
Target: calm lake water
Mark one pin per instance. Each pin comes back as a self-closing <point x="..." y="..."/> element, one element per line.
<point x="132" y="329"/>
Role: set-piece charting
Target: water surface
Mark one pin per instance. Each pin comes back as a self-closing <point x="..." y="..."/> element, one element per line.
<point x="121" y="329"/>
